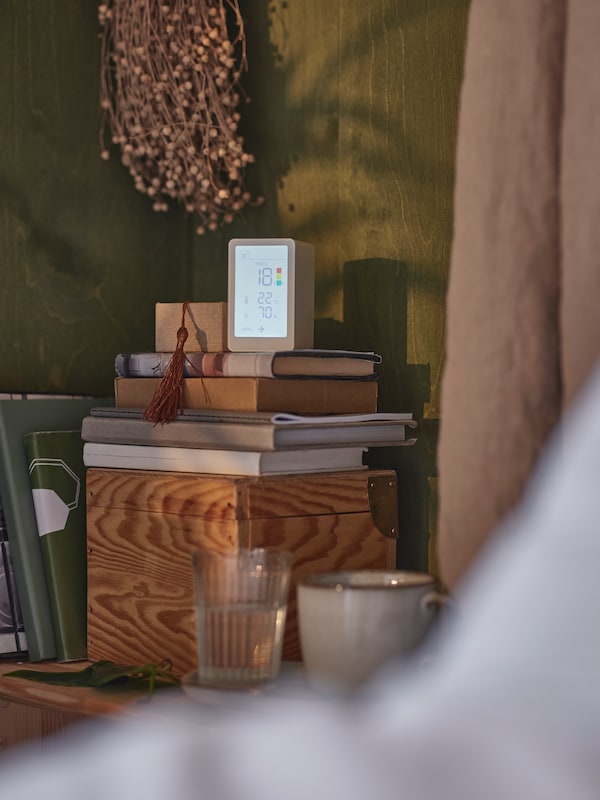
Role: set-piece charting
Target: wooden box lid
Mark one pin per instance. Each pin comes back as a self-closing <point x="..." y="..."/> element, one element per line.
<point x="225" y="497"/>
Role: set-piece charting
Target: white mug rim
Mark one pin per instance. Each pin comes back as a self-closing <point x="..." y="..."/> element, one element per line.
<point x="362" y="580"/>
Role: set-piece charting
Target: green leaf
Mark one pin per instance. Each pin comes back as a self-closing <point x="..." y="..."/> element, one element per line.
<point x="104" y="673"/>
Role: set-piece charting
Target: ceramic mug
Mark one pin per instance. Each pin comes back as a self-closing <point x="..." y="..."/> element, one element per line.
<point x="351" y="623"/>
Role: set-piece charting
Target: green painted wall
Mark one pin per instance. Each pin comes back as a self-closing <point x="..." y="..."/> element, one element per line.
<point x="353" y="124"/>
<point x="84" y="258"/>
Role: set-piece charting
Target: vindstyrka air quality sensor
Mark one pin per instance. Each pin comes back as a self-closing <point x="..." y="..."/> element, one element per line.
<point x="270" y="295"/>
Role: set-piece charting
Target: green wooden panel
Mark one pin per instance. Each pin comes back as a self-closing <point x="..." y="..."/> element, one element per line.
<point x="84" y="258"/>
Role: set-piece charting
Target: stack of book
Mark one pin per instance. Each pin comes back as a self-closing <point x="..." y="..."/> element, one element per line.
<point x="232" y="443"/>
<point x="246" y="414"/>
<point x="298" y="381"/>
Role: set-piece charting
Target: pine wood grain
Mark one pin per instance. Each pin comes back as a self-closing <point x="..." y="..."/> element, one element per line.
<point x="140" y="581"/>
<point x="228" y="497"/>
<point x="164" y="493"/>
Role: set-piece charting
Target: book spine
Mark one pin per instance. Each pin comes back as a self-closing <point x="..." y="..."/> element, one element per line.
<point x="57" y="474"/>
<point x="196" y="365"/>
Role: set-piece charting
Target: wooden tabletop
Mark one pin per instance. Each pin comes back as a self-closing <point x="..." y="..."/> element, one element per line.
<point x="80" y="700"/>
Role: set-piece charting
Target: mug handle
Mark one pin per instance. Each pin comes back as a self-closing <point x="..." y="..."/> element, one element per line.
<point x="436" y="600"/>
<point x="442" y="604"/>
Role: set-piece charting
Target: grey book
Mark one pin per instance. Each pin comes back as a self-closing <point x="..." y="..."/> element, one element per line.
<point x="250" y="431"/>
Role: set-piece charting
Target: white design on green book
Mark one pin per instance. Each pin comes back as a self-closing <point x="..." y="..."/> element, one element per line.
<point x="52" y="510"/>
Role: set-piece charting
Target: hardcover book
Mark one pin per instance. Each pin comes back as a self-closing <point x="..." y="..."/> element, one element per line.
<point x="348" y="364"/>
<point x="57" y="476"/>
<point x="222" y="462"/>
<point x="17" y="418"/>
<point x="251" y="431"/>
<point x="300" y="396"/>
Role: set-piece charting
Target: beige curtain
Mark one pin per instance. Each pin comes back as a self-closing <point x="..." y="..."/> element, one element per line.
<point x="523" y="314"/>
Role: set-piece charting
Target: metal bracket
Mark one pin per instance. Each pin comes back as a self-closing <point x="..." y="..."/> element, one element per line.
<point x="383" y="504"/>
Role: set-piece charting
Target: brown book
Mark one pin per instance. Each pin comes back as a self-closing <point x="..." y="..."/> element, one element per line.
<point x="302" y="396"/>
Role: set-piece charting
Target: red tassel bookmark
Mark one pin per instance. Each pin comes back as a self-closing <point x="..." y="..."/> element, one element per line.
<point x="168" y="397"/>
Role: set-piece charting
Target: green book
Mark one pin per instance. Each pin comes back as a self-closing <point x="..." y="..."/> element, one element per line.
<point x="17" y="418"/>
<point x="57" y="476"/>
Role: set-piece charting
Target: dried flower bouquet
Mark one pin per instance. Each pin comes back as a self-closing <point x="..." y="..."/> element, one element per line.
<point x="170" y="96"/>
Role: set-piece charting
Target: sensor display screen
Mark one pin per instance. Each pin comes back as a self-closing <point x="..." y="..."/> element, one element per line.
<point x="261" y="291"/>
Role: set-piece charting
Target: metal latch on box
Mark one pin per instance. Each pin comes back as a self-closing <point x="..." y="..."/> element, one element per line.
<point x="383" y="504"/>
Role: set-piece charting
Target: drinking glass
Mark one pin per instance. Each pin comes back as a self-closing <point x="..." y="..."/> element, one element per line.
<point x="241" y="603"/>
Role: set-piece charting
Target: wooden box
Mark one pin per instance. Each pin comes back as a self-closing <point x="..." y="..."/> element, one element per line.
<point x="142" y="527"/>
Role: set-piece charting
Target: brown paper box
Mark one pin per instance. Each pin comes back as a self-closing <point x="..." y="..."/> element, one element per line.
<point x="206" y="324"/>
